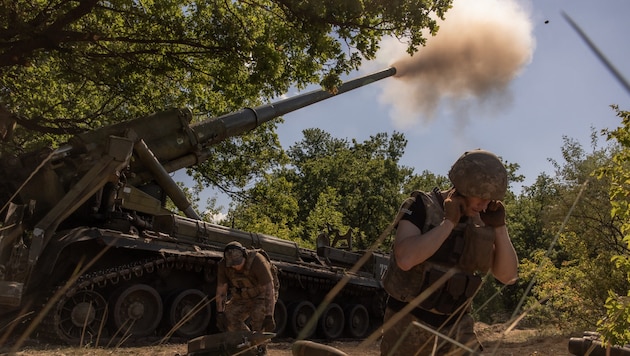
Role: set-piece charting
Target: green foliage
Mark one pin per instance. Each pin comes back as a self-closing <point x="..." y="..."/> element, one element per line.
<point x="615" y="327"/>
<point x="325" y="213"/>
<point x="426" y="181"/>
<point x="67" y="67"/>
<point x="333" y="182"/>
<point x="562" y="294"/>
<point x="70" y="66"/>
<point x="566" y="238"/>
<point x="528" y="217"/>
<point x="271" y="209"/>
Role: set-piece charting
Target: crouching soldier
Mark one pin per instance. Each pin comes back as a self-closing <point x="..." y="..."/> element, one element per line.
<point x="251" y="281"/>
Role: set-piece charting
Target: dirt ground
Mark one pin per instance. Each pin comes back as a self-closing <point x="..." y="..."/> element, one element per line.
<point x="528" y="342"/>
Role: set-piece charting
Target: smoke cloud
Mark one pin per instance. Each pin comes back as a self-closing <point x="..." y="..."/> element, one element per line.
<point x="480" y="48"/>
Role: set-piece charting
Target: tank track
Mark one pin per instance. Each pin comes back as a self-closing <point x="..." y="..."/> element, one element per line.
<point x="325" y="284"/>
<point x="359" y="307"/>
<point x="55" y="327"/>
<point x="306" y="282"/>
<point x="51" y="327"/>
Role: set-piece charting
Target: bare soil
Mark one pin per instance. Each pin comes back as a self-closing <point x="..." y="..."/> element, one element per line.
<point x="518" y="342"/>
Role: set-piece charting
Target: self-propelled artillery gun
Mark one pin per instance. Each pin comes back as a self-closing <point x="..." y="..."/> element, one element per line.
<point x="88" y="251"/>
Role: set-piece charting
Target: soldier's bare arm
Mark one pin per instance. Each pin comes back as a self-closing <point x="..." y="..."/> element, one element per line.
<point x="412" y="247"/>
<point x="505" y="264"/>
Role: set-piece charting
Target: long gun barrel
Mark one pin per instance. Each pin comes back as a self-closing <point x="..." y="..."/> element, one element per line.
<point x="244" y="120"/>
<point x="176" y="144"/>
<point x="147" y="149"/>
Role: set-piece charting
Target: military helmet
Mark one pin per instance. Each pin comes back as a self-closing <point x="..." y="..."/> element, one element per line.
<point x="234" y="254"/>
<point x="480" y="174"/>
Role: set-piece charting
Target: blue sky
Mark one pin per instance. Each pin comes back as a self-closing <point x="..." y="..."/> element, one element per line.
<point x="562" y="89"/>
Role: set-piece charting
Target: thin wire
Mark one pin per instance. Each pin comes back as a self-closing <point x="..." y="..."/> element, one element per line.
<point x="598" y="53"/>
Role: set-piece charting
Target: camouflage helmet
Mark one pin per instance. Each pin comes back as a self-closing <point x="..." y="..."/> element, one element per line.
<point x="480" y="174"/>
<point x="234" y="254"/>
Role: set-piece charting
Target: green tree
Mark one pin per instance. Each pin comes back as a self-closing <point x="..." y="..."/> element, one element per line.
<point x="271" y="208"/>
<point x="573" y="271"/>
<point x="325" y="214"/>
<point x="528" y="216"/>
<point x="426" y="181"/>
<point x="615" y="326"/>
<point x="338" y="183"/>
<point x="71" y="66"/>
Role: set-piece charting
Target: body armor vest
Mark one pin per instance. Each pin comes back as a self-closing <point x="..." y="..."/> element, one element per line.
<point x="468" y="249"/>
<point x="242" y="283"/>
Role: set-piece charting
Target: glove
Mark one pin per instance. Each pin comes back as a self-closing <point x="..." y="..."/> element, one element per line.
<point x="494" y="215"/>
<point x="221" y="322"/>
<point x="453" y="206"/>
<point x="268" y="324"/>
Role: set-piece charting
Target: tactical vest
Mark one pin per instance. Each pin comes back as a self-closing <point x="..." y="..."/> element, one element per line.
<point x="468" y="249"/>
<point x="243" y="284"/>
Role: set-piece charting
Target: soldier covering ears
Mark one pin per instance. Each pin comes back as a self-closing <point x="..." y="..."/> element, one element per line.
<point x="446" y="241"/>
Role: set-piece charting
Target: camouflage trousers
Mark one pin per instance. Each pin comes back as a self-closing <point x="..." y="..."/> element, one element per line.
<point x="406" y="338"/>
<point x="246" y="315"/>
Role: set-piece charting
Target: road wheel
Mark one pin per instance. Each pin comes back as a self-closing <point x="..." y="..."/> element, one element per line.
<point x="300" y="316"/>
<point x="280" y="317"/>
<point x="331" y="322"/>
<point x="81" y="318"/>
<point x="357" y="321"/>
<point x="189" y="313"/>
<point x="137" y="310"/>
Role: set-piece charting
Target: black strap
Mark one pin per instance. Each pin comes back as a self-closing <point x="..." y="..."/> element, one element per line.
<point x="438" y="195"/>
<point x="435" y="320"/>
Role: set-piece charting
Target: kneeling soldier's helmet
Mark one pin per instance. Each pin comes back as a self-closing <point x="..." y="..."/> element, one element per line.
<point x="234" y="254"/>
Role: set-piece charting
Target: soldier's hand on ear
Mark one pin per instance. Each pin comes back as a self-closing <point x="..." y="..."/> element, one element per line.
<point x="453" y="207"/>
<point x="494" y="215"/>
